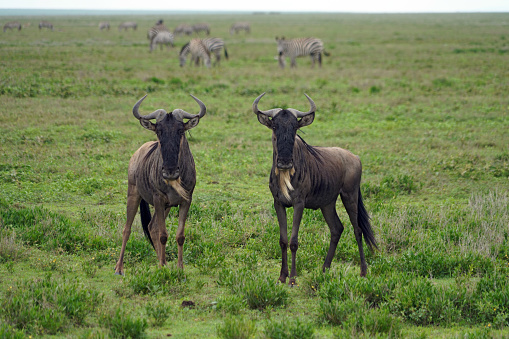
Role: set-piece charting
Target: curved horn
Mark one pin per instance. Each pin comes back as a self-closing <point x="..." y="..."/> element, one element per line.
<point x="158" y="114"/>
<point x="271" y="112"/>
<point x="300" y="114"/>
<point x="181" y="114"/>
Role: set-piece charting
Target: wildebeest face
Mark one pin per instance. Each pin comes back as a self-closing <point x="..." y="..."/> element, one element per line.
<point x="170" y="129"/>
<point x="284" y="126"/>
<point x="170" y="132"/>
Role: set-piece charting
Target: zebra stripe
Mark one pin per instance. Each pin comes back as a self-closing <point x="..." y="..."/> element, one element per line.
<point x="201" y="27"/>
<point x="12" y="25"/>
<point x="300" y="47"/>
<point x="240" y="26"/>
<point x="162" y="38"/>
<point x="198" y="51"/>
<point x="126" y="25"/>
<point x="45" y="24"/>
<point x="214" y="45"/>
<point x="104" y="25"/>
<point x="152" y="32"/>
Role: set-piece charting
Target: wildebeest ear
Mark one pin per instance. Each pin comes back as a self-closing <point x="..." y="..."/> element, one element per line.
<point x="147" y="124"/>
<point x="307" y="120"/>
<point x="264" y="120"/>
<point x="192" y="123"/>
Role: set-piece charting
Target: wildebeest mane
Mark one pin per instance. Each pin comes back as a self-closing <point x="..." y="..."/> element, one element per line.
<point x="151" y="150"/>
<point x="312" y="150"/>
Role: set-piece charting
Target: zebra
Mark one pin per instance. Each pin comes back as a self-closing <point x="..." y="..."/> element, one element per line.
<point x="45" y="24"/>
<point x="126" y="25"/>
<point x="201" y="27"/>
<point x="198" y="50"/>
<point x="162" y="38"/>
<point x="154" y="30"/>
<point x="294" y="48"/>
<point x="104" y="25"/>
<point x="183" y="29"/>
<point x="214" y="45"/>
<point x="239" y="26"/>
<point x="12" y="25"/>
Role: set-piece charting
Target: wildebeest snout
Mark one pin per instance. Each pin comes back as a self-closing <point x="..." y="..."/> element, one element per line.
<point x="284" y="164"/>
<point x="170" y="174"/>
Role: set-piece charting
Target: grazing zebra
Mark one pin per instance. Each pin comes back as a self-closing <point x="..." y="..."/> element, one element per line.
<point x="104" y="25"/>
<point x="198" y="51"/>
<point x="162" y="38"/>
<point x="201" y="27"/>
<point x="240" y="26"/>
<point x="213" y="45"/>
<point x="45" y="24"/>
<point x="126" y="25"/>
<point x="12" y="25"/>
<point x="183" y="29"/>
<point x="300" y="47"/>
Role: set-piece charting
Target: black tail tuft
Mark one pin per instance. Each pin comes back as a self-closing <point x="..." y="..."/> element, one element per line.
<point x="326" y="53"/>
<point x="225" y="53"/>
<point x="363" y="221"/>
<point x="145" y="220"/>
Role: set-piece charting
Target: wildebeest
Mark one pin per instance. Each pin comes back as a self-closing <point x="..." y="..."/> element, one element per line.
<point x="161" y="173"/>
<point x="305" y="176"/>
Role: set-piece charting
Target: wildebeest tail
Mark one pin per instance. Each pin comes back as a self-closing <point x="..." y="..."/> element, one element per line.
<point x="225" y="53"/>
<point x="363" y="221"/>
<point x="145" y="219"/>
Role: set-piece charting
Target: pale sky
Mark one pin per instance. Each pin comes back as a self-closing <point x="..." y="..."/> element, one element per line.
<point x="359" y="6"/>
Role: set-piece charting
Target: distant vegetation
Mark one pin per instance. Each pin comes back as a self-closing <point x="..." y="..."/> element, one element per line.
<point x="421" y="98"/>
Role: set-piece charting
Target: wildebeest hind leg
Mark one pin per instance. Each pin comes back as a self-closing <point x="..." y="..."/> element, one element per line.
<point x="350" y="203"/>
<point x="336" y="229"/>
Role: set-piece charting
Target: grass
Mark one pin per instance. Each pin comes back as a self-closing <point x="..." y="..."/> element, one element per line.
<point x="421" y="98"/>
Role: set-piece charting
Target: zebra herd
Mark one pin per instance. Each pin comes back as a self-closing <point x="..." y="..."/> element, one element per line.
<point x="202" y="49"/>
<point x="17" y="26"/>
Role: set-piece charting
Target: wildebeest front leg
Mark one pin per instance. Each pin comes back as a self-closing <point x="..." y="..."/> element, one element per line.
<point x="133" y="201"/>
<point x="283" y="239"/>
<point x="336" y="229"/>
<point x="158" y="232"/>
<point x="298" y="209"/>
<point x="180" y="236"/>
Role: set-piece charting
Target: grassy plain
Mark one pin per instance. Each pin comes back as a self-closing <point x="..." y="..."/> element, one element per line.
<point x="421" y="98"/>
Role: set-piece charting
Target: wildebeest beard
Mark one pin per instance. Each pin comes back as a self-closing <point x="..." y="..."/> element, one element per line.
<point x="285" y="184"/>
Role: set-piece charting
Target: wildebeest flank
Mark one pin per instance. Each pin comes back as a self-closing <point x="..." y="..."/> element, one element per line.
<point x="304" y="176"/>
<point x="161" y="173"/>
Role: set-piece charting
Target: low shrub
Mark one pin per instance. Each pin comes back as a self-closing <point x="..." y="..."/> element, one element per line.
<point x="289" y="329"/>
<point x="166" y="280"/>
<point x="124" y="325"/>
<point x="48" y="305"/>
<point x="236" y="328"/>
<point x="158" y="312"/>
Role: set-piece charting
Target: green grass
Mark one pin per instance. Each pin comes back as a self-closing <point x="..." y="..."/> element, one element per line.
<point x="421" y="98"/>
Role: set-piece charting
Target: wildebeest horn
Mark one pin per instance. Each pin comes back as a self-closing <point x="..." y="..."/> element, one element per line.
<point x="270" y="113"/>
<point x="181" y="114"/>
<point x="300" y="114"/>
<point x="158" y="114"/>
